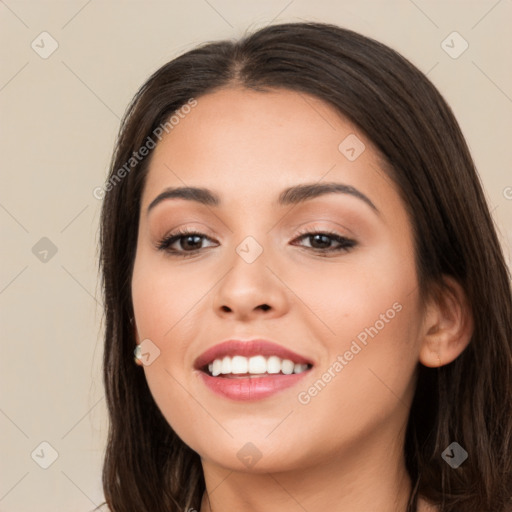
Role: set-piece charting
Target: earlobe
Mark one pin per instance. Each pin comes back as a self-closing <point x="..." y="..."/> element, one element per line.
<point x="448" y="326"/>
<point x="431" y="358"/>
<point x="137" y="351"/>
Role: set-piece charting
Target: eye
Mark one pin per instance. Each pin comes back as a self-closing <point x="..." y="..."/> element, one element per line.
<point x="321" y="241"/>
<point x="189" y="240"/>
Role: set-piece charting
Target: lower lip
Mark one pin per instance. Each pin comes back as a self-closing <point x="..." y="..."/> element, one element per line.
<point x="251" y="388"/>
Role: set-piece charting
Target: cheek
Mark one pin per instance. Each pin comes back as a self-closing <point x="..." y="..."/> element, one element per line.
<point x="352" y="293"/>
<point x="161" y="300"/>
<point x="367" y="382"/>
<point x="370" y="306"/>
<point x="164" y="296"/>
<point x="174" y="401"/>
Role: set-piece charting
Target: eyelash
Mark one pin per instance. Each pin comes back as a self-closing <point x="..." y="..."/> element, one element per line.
<point x="346" y="244"/>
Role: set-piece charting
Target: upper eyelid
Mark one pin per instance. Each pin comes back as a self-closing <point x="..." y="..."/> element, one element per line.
<point x="300" y="227"/>
<point x="180" y="233"/>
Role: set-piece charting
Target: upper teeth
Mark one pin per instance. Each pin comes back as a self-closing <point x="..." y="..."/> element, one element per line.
<point x="255" y="365"/>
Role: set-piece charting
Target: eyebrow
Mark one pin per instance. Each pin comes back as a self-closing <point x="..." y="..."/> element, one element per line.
<point x="289" y="196"/>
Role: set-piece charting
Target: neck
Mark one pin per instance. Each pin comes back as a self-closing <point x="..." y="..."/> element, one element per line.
<point x="355" y="480"/>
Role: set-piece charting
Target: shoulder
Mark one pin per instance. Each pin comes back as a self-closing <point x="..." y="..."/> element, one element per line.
<point x="425" y="506"/>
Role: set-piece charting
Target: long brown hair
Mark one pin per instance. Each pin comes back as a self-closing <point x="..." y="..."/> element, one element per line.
<point x="147" y="467"/>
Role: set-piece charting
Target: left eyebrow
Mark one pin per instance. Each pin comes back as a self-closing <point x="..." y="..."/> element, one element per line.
<point x="292" y="195"/>
<point x="305" y="192"/>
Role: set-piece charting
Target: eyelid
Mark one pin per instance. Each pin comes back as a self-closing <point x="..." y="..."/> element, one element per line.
<point x="187" y="227"/>
<point x="345" y="244"/>
<point x="313" y="225"/>
<point x="176" y="234"/>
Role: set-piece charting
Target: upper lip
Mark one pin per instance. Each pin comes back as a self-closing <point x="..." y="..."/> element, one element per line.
<point x="248" y="348"/>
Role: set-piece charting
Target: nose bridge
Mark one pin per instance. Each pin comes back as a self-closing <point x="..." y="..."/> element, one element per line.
<point x="250" y="286"/>
<point x="250" y="230"/>
<point x="249" y="264"/>
<point x="250" y="249"/>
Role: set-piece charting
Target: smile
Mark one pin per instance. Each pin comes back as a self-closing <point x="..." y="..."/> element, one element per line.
<point x="240" y="366"/>
<point x="250" y="370"/>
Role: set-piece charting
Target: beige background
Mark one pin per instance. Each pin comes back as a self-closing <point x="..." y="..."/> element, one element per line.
<point x="60" y="115"/>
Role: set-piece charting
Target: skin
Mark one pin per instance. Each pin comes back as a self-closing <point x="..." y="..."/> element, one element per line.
<point x="343" y="450"/>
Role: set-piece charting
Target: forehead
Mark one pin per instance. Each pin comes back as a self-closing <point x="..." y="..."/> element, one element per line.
<point x="245" y="120"/>
<point x="251" y="144"/>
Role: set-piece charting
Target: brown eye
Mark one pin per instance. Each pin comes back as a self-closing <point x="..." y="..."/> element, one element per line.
<point x="321" y="241"/>
<point x="187" y="241"/>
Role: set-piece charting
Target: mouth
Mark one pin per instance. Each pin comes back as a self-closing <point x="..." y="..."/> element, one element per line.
<point x="250" y="370"/>
<point x="239" y="367"/>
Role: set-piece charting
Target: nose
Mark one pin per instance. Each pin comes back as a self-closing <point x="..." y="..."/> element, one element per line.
<point x="250" y="290"/>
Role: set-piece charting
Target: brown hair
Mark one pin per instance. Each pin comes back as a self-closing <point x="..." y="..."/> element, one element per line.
<point x="147" y="467"/>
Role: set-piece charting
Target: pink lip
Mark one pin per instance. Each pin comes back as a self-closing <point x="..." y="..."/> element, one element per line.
<point x="254" y="387"/>
<point x="247" y="349"/>
<point x="250" y="388"/>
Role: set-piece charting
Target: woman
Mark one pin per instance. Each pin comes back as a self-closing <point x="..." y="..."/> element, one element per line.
<point x="295" y="242"/>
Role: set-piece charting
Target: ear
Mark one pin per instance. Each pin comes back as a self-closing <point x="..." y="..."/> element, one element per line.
<point x="447" y="326"/>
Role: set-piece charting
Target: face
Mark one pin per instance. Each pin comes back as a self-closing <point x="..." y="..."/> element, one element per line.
<point x="326" y="275"/>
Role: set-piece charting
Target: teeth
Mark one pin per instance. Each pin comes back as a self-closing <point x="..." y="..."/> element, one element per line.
<point x="299" y="368"/>
<point x="255" y="365"/>
<point x="273" y="364"/>
<point x="239" y="365"/>
<point x="217" y="364"/>
<point x="287" y="367"/>
<point x="226" y="365"/>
